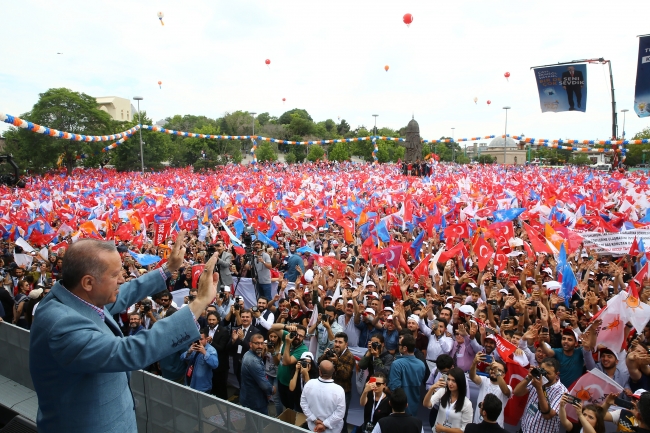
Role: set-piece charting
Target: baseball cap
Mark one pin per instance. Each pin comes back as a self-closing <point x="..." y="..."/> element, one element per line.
<point x="639" y="392"/>
<point x="307" y="355"/>
<point x="369" y="311"/>
<point x="569" y="331"/>
<point x="414" y="317"/>
<point x="226" y="288"/>
<point x="609" y="351"/>
<point x="467" y="310"/>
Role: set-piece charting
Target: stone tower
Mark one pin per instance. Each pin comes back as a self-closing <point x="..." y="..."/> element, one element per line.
<point x="413" y="142"/>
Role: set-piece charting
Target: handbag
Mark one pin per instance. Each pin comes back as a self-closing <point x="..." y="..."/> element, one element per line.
<point x="190" y="370"/>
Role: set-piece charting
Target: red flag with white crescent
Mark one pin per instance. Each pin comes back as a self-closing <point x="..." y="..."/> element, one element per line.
<point x="196" y="273"/>
<point x="484" y="252"/>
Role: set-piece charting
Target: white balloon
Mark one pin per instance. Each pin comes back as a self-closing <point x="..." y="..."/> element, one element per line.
<point x="161" y="15"/>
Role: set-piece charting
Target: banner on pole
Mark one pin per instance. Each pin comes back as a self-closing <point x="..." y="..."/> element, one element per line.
<point x="562" y="88"/>
<point x="642" y="90"/>
<point x="614" y="243"/>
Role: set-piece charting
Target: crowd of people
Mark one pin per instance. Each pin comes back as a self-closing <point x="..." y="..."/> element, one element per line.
<point x="331" y="315"/>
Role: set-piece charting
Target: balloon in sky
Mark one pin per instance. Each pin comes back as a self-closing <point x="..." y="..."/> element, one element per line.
<point x="160" y="84"/>
<point x="284" y="99"/>
<point x="507" y="75"/>
<point x="475" y="99"/>
<point x="408" y="19"/>
<point x="160" y="17"/>
<point x="489" y="102"/>
<point x="339" y="117"/>
<point x="386" y="68"/>
<point x="268" y="62"/>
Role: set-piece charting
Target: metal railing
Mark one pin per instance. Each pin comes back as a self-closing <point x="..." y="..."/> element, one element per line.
<point x="161" y="405"/>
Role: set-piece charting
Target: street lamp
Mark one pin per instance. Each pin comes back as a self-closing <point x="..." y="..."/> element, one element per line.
<point x="505" y="136"/>
<point x="625" y="110"/>
<point x="140" y="98"/>
<point x="375" y="116"/>
<point x="453" y="148"/>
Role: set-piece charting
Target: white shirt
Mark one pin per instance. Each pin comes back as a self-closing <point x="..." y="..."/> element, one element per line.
<point x="266" y="324"/>
<point x="437" y="346"/>
<point x="350" y="329"/>
<point x="448" y="415"/>
<point x="211" y="331"/>
<point x="489" y="387"/>
<point x="324" y="400"/>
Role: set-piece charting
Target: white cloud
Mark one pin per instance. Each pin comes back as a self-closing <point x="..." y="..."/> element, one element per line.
<point x="328" y="58"/>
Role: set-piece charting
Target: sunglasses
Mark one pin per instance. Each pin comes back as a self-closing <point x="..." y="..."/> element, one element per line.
<point x="379" y="383"/>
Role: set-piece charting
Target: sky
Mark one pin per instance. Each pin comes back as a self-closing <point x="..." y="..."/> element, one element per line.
<point x="328" y="58"/>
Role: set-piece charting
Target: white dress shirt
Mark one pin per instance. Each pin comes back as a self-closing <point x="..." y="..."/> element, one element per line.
<point x="324" y="400"/>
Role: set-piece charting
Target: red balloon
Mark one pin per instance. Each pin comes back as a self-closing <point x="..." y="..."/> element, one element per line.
<point x="408" y="19"/>
<point x="489" y="102"/>
<point x="284" y="99"/>
<point x="267" y="61"/>
<point x="507" y="75"/>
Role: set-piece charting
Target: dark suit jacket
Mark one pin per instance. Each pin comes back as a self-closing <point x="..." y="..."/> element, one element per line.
<point x="220" y="341"/>
<point x="244" y="342"/>
<point x="575" y="81"/>
<point x="484" y="427"/>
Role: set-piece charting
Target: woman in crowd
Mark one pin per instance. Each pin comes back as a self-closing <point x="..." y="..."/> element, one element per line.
<point x="455" y="408"/>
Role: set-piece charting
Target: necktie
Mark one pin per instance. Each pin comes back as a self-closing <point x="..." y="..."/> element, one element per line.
<point x="456" y="354"/>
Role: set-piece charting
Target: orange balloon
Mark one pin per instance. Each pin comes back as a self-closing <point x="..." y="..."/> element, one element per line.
<point x="159" y="83"/>
<point x="386" y="68"/>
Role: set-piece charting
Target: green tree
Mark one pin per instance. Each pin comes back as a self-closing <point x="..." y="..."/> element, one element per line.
<point x="316" y="152"/>
<point x="299" y="151"/>
<point x="462" y="159"/>
<point x="635" y="151"/>
<point x="188" y="151"/>
<point x="343" y="127"/>
<point x="266" y="153"/>
<point x="287" y="117"/>
<point x="290" y="158"/>
<point x="580" y="160"/>
<point x="63" y="110"/>
<point x="300" y="126"/>
<point x="339" y="152"/>
<point x="156" y="148"/>
<point x="486" y="159"/>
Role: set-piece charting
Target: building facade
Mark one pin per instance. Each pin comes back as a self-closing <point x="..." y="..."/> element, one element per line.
<point x="118" y="108"/>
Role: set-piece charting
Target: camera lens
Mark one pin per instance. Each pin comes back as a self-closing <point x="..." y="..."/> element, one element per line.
<point x="293" y="334"/>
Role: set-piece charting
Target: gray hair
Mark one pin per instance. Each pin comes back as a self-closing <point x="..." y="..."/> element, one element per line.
<point x="82" y="258"/>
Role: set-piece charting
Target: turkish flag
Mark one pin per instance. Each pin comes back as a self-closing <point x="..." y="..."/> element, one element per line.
<point x="484" y="252"/>
<point x="422" y="269"/>
<point x="450" y="254"/>
<point x="642" y="275"/>
<point x="197" y="270"/>
<point x="124" y="232"/>
<point x="457" y="231"/>
<point x="504" y="229"/>
<point x="161" y="232"/>
<point x="325" y="261"/>
<point x="634" y="248"/>
<point x="514" y="410"/>
<point x="538" y="241"/>
<point x="388" y="256"/>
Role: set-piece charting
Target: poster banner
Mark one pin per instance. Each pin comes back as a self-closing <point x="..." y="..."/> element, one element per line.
<point x="642" y="92"/>
<point x="562" y="88"/>
<point x="614" y="243"/>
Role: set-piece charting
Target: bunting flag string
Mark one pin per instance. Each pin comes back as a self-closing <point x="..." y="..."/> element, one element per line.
<point x="123" y="136"/>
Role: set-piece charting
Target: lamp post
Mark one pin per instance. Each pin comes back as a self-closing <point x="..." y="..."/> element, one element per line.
<point x="375" y="116"/>
<point x="453" y="148"/>
<point x="505" y="136"/>
<point x="625" y="110"/>
<point x="644" y="151"/>
<point x="140" y="98"/>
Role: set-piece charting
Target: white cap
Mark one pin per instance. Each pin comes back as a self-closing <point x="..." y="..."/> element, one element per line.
<point x="332" y="254"/>
<point x="552" y="285"/>
<point x="389" y="317"/>
<point x="371" y="283"/>
<point x="467" y="309"/>
<point x="504" y="291"/>
<point x="548" y="271"/>
<point x="344" y="249"/>
<point x="472" y="285"/>
<point x="309" y="276"/>
<point x="291" y="288"/>
<point x="389" y="309"/>
<point x="530" y="279"/>
<point x="369" y="311"/>
<point x="306" y="355"/>
<point x="226" y="288"/>
<point x="416" y="286"/>
<point x="413" y="317"/>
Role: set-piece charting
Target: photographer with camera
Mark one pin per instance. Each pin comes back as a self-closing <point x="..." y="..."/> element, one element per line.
<point x="260" y="264"/>
<point x="224" y="301"/>
<point x="495" y="384"/>
<point x="306" y="369"/>
<point x="377" y="359"/>
<point x="201" y="358"/>
<point x="224" y="265"/>
<point x="271" y="363"/>
<point x="543" y="402"/>
<point x="325" y="328"/>
<point x="343" y="361"/>
<point x="374" y="400"/>
<point x="292" y="349"/>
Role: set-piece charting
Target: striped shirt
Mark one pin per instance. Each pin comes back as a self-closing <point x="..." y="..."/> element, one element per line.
<point x="98" y="310"/>
<point x="533" y="421"/>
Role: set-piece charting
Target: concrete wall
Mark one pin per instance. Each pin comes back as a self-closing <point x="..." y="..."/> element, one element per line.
<point x="118" y="108"/>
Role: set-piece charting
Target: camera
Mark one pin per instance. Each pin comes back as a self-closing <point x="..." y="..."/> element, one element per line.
<point x="254" y="309"/>
<point x="304" y="363"/>
<point x="538" y="372"/>
<point x="222" y="296"/>
<point x="533" y="303"/>
<point x="492" y="302"/>
<point x="146" y="308"/>
<point x="293" y="334"/>
<point x="375" y="345"/>
<point x="329" y="353"/>
<point x="237" y="306"/>
<point x="369" y="428"/>
<point x="270" y="345"/>
<point x="573" y="399"/>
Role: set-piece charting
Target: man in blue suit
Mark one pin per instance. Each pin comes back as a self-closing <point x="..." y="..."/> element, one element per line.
<point x="79" y="361"/>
